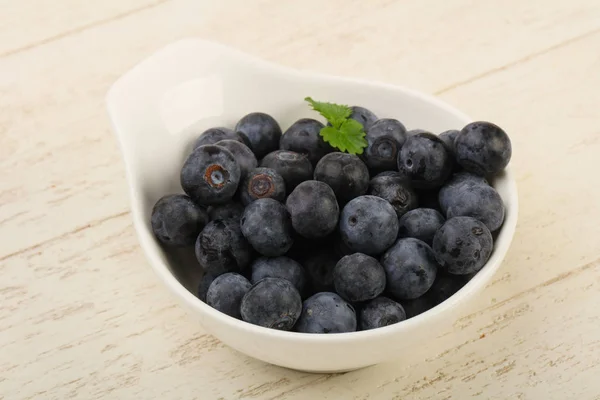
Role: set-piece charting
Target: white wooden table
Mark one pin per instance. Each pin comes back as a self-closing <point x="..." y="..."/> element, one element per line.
<point x="83" y="316"/>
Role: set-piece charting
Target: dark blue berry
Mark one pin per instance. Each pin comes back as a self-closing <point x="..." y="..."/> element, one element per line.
<point x="364" y="116"/>
<point x="226" y="292"/>
<point x="267" y="225"/>
<point x="347" y="175"/>
<point x="380" y="312"/>
<point x="272" y="303"/>
<point x="314" y="209"/>
<point x="358" y="277"/>
<point x="242" y="154"/>
<point x="462" y="245"/>
<point x="425" y="160"/>
<point x="448" y="137"/>
<point x="454" y="187"/>
<point x="221" y="247"/>
<point x="177" y="221"/>
<point x="396" y="190"/>
<point x="262" y="183"/>
<point x="261" y="131"/>
<point x="369" y="225"/>
<point x="214" y="135"/>
<point x="304" y="137"/>
<point x="478" y="201"/>
<point x="410" y="268"/>
<point x="483" y="148"/>
<point x="293" y="167"/>
<point x="279" y="267"/>
<point x="385" y="137"/>
<point x="326" y="313"/>
<point x="420" y="223"/>
<point x="226" y="211"/>
<point x="210" y="175"/>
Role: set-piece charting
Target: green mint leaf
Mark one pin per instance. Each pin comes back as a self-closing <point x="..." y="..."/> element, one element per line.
<point x="350" y="137"/>
<point x="335" y="114"/>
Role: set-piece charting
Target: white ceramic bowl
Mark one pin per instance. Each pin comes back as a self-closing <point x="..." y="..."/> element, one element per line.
<point x="162" y="104"/>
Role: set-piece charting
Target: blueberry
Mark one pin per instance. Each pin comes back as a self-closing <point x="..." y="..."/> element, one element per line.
<point x="483" y="148"/>
<point x="210" y="175"/>
<point x="385" y="138"/>
<point x="326" y="313"/>
<point x="293" y="167"/>
<point x="453" y="188"/>
<point x="314" y="209"/>
<point x="304" y="137"/>
<point x="410" y="268"/>
<point x="369" y="225"/>
<point x="272" y="303"/>
<point x="266" y="224"/>
<point x="262" y="183"/>
<point x="226" y="292"/>
<point x="380" y="312"/>
<point x="319" y="267"/>
<point x="421" y="223"/>
<point x="462" y="245"/>
<point x="448" y="137"/>
<point x="242" y="153"/>
<point x="177" y="221"/>
<point x="279" y="267"/>
<point x="347" y="175"/>
<point x="396" y="190"/>
<point x="358" y="277"/>
<point x="364" y="116"/>
<point x="204" y="284"/>
<point x="478" y="201"/>
<point x="221" y="247"/>
<point x="425" y="160"/>
<point x="214" y="135"/>
<point x="226" y="211"/>
<point x="261" y="132"/>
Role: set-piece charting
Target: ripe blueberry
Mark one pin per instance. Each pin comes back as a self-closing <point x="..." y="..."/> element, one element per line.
<point x="483" y="148"/>
<point x="358" y="277"/>
<point x="210" y="175"/>
<point x="425" y="160"/>
<point x="369" y="225"/>
<point x="345" y="173"/>
<point x="314" y="209"/>
<point x="221" y="247"/>
<point x="266" y="224"/>
<point x="279" y="267"/>
<point x="420" y="223"/>
<point x="410" y="268"/>
<point x="326" y="312"/>
<point x="261" y="131"/>
<point x="262" y="183"/>
<point x="242" y="153"/>
<point x="226" y="292"/>
<point x="272" y="303"/>
<point x="380" y="312"/>
<point x="462" y="245"/>
<point x="304" y="137"/>
<point x="396" y="190"/>
<point x="385" y="137"/>
<point x="293" y="167"/>
<point x="177" y="221"/>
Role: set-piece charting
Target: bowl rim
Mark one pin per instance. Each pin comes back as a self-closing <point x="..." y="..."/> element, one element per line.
<point x="190" y="300"/>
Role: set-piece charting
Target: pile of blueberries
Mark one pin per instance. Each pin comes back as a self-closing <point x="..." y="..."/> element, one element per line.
<point x="294" y="235"/>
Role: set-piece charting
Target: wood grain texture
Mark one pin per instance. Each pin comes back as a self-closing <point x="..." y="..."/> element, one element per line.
<point x="82" y="315"/>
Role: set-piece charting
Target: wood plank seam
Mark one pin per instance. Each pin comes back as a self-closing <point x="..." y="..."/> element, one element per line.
<point x="83" y="28"/>
<point x="522" y="60"/>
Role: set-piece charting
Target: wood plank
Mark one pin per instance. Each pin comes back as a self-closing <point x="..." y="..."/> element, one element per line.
<point x="25" y="24"/>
